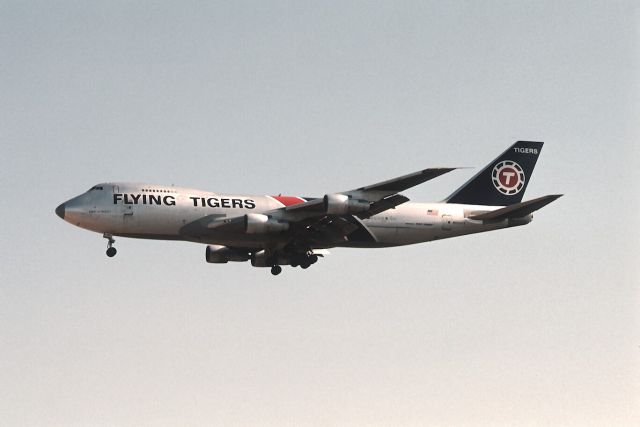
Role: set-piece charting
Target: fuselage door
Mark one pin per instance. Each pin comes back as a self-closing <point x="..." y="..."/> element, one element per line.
<point x="125" y="210"/>
<point x="447" y="220"/>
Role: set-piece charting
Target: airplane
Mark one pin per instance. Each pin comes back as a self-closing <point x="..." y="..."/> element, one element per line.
<point x="272" y="231"/>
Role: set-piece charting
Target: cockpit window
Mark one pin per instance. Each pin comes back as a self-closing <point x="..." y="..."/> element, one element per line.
<point x="97" y="187"/>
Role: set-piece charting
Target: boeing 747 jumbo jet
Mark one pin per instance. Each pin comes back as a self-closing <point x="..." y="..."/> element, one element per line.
<point x="271" y="231"/>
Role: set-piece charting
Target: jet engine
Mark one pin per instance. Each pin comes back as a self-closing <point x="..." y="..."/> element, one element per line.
<point x="340" y="204"/>
<point x="218" y="254"/>
<point x="261" y="259"/>
<point x="259" y="223"/>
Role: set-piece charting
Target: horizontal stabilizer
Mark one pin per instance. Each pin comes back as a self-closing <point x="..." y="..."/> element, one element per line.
<point x="517" y="210"/>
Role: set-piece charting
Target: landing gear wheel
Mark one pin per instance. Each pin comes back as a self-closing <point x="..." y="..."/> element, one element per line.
<point x="308" y="260"/>
<point x="111" y="251"/>
<point x="276" y="269"/>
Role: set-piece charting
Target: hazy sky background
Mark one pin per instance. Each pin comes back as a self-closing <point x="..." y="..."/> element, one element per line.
<point x="536" y="325"/>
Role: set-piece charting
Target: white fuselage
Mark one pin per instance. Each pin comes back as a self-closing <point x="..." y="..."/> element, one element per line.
<point x="159" y="212"/>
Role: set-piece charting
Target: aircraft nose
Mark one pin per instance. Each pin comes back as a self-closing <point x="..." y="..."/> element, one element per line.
<point x="60" y="211"/>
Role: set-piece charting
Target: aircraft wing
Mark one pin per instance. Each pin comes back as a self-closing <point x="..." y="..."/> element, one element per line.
<point x="316" y="217"/>
<point x="395" y="185"/>
<point x="375" y="193"/>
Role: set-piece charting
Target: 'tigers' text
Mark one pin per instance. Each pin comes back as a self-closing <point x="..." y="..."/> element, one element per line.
<point x="215" y="202"/>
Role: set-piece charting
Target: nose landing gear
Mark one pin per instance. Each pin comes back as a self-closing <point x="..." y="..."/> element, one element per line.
<point x="111" y="251"/>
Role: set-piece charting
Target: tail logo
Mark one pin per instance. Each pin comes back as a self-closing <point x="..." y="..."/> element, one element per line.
<point x="508" y="177"/>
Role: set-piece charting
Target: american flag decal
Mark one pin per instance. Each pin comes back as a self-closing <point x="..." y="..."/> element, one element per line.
<point x="433" y="212"/>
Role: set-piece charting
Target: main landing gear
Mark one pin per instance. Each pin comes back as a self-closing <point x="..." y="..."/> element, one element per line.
<point x="111" y="251"/>
<point x="304" y="261"/>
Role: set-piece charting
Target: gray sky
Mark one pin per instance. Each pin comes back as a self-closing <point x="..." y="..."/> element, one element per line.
<point x="536" y="325"/>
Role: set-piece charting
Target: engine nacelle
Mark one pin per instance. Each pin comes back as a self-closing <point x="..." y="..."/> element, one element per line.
<point x="259" y="224"/>
<point x="260" y="259"/>
<point x="218" y="254"/>
<point x="340" y="204"/>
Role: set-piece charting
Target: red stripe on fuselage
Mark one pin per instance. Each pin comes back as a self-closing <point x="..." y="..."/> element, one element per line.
<point x="289" y="200"/>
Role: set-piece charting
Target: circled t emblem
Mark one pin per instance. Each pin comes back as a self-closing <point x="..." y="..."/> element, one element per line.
<point x="508" y="177"/>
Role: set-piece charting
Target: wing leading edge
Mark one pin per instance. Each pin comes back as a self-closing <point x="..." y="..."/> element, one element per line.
<point x="396" y="185"/>
<point x="381" y="197"/>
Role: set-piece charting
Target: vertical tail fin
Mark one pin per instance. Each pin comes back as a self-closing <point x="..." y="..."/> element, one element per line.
<point x="503" y="181"/>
